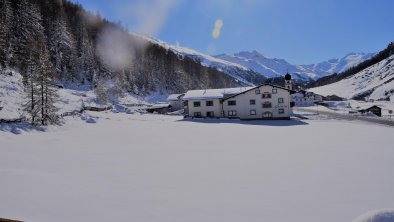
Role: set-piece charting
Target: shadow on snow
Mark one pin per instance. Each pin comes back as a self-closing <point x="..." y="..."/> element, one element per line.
<point x="292" y="122"/>
<point x="19" y="128"/>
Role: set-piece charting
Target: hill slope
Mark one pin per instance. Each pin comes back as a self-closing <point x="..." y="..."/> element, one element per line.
<point x="375" y="82"/>
<point x="242" y="74"/>
<point x="85" y="49"/>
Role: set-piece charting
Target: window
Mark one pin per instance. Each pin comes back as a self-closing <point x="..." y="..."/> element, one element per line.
<point x="252" y="102"/>
<point x="232" y="103"/>
<point x="197" y="104"/>
<point x="281" y="111"/>
<point x="257" y="91"/>
<point x="266" y="96"/>
<point x="252" y="112"/>
<point x="267" y="105"/>
<point x="232" y="113"/>
<point x="197" y="114"/>
<point x="280" y="100"/>
<point x="210" y="114"/>
<point x="274" y="91"/>
<point x="267" y="115"/>
<point x="209" y="103"/>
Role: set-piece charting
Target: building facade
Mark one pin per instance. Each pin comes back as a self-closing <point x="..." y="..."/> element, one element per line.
<point x="262" y="102"/>
<point x="207" y="103"/>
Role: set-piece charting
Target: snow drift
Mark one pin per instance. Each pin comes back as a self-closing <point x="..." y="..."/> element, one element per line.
<point x="376" y="216"/>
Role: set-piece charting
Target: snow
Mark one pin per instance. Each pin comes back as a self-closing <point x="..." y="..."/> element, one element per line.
<point x="164" y="168"/>
<point x="376" y="216"/>
<point x="160" y="105"/>
<point x="11" y="95"/>
<point x="213" y="93"/>
<point x="174" y="97"/>
<point x="376" y="82"/>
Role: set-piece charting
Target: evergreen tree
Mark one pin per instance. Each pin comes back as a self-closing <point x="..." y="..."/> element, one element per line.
<point x="38" y="74"/>
<point x="62" y="50"/>
<point x="5" y="27"/>
<point x="86" y="55"/>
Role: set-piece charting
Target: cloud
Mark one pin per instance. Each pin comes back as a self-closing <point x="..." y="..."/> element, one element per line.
<point x="217" y="29"/>
<point x="148" y="16"/>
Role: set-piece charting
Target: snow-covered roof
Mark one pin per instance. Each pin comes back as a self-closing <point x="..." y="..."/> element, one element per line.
<point x="213" y="93"/>
<point x="159" y="105"/>
<point x="174" y="97"/>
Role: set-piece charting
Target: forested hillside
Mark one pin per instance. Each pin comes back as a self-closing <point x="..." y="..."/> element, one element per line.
<point x="82" y="48"/>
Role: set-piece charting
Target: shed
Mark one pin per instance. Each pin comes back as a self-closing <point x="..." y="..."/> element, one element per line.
<point x="161" y="108"/>
<point x="373" y="109"/>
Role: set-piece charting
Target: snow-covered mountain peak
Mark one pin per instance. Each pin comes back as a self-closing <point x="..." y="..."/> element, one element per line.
<point x="273" y="67"/>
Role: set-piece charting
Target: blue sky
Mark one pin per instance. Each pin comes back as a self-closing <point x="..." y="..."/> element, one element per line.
<point x="300" y="31"/>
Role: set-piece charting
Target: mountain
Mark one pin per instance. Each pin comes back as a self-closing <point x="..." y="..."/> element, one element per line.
<point x="338" y="65"/>
<point x="273" y="67"/>
<point x="375" y="82"/>
<point x="268" y="67"/>
<point x="336" y="77"/>
<point x="242" y="74"/>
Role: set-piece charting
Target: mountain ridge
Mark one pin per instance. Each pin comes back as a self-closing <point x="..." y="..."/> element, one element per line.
<point x="274" y="67"/>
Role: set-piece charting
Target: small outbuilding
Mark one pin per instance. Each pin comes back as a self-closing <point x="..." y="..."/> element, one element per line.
<point x="175" y="100"/>
<point x="373" y="109"/>
<point x="161" y="108"/>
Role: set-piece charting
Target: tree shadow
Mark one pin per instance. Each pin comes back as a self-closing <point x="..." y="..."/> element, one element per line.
<point x="281" y="123"/>
<point x="19" y="128"/>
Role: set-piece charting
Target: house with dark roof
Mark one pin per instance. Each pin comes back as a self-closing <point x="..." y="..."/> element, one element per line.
<point x="377" y="110"/>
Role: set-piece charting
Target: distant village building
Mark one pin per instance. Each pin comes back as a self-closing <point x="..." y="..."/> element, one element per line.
<point x="373" y="109"/>
<point x="175" y="100"/>
<point x="265" y="101"/>
<point x="305" y="98"/>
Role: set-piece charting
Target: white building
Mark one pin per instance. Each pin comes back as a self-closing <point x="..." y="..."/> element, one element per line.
<point x="305" y="98"/>
<point x="261" y="102"/>
<point x="176" y="101"/>
<point x="207" y="103"/>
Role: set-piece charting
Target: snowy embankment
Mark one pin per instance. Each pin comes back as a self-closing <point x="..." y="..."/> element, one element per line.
<point x="375" y="82"/>
<point x="162" y="168"/>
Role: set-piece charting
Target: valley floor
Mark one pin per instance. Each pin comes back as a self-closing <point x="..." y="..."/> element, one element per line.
<point x="164" y="168"/>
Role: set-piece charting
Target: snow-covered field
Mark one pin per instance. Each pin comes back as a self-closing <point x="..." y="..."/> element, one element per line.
<point x="163" y="168"/>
